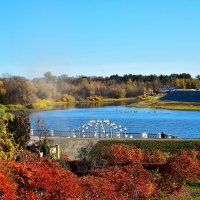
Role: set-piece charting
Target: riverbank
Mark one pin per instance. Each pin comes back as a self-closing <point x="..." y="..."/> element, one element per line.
<point x="154" y="102"/>
<point x="49" y="104"/>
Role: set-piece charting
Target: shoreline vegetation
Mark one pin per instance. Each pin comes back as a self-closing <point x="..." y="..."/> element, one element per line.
<point x="154" y="102"/>
<point x="48" y="104"/>
<point x="139" y="102"/>
<point x="48" y="92"/>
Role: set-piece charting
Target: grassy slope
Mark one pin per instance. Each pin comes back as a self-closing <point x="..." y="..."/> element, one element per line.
<point x="154" y="102"/>
<point x="172" y="146"/>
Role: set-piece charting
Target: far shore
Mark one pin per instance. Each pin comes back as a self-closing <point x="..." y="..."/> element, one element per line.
<point x="148" y="102"/>
<point x="49" y="104"/>
<point x="154" y="102"/>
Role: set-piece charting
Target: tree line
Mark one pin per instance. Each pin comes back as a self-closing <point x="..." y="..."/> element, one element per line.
<point x="19" y="90"/>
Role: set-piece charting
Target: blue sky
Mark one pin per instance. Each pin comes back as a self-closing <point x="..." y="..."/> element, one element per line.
<point x="99" y="37"/>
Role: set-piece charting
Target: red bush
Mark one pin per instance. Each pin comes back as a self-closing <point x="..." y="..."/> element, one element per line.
<point x="131" y="181"/>
<point x="44" y="180"/>
<point x="128" y="177"/>
<point x="156" y="157"/>
<point x="99" y="188"/>
<point x="121" y="154"/>
<point x="7" y="185"/>
<point x="178" y="170"/>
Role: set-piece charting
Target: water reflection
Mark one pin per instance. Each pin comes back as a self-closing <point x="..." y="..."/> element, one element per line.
<point x="94" y="104"/>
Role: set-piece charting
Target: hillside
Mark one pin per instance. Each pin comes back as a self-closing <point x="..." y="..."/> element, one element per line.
<point x="182" y="96"/>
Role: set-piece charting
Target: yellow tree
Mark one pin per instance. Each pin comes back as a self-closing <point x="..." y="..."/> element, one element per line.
<point x="7" y="147"/>
<point x="2" y="90"/>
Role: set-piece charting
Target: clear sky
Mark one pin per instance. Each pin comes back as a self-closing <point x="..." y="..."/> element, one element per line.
<point x="99" y="37"/>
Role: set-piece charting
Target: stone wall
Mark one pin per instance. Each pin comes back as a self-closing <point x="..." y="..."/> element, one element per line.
<point x="69" y="146"/>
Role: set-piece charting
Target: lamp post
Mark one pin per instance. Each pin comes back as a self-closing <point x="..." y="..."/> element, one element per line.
<point x="125" y="129"/>
<point x="120" y="130"/>
<point x="79" y="132"/>
<point x="83" y="131"/>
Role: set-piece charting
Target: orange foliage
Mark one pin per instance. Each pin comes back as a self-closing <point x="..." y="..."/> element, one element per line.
<point x="178" y="170"/>
<point x="156" y="157"/>
<point x="119" y="154"/>
<point x="44" y="180"/>
<point x="7" y="185"/>
<point x="99" y="188"/>
<point x="131" y="181"/>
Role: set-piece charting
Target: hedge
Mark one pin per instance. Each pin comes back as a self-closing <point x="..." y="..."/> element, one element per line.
<point x="172" y="146"/>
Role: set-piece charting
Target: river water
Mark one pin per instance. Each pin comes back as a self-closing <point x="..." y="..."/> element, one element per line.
<point x="185" y="124"/>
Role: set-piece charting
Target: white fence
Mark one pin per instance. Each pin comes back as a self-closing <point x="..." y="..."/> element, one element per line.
<point x="114" y="135"/>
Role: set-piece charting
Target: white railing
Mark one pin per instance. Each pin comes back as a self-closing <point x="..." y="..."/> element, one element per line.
<point x="114" y="135"/>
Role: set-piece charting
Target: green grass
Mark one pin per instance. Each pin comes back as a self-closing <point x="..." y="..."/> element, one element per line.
<point x="154" y="102"/>
<point x="172" y="146"/>
<point x="193" y="190"/>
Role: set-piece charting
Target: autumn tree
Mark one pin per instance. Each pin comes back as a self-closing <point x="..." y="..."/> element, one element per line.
<point x="20" y="128"/>
<point x="18" y="91"/>
<point x="7" y="146"/>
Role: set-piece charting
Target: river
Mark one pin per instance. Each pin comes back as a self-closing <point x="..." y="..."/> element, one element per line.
<point x="185" y="124"/>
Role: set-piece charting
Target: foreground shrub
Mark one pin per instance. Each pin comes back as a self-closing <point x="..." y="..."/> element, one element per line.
<point x="122" y="154"/>
<point x="128" y="174"/>
<point x="64" y="161"/>
<point x="131" y="181"/>
<point x="156" y="156"/>
<point x="178" y="170"/>
<point x="172" y="146"/>
<point x="112" y="155"/>
<point x="44" y="180"/>
<point x="99" y="188"/>
<point x="7" y="185"/>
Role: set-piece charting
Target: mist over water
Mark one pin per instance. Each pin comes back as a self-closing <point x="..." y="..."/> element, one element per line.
<point x="184" y="124"/>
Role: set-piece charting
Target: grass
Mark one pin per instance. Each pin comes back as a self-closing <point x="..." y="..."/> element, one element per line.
<point x="193" y="192"/>
<point x="154" y="102"/>
<point x="172" y="146"/>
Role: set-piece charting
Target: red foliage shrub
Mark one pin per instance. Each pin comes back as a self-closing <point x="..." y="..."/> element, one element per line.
<point x="130" y="181"/>
<point x="24" y="155"/>
<point x="119" y="154"/>
<point x="7" y="186"/>
<point x="99" y="188"/>
<point x="178" y="170"/>
<point x="156" y="157"/>
<point x="132" y="174"/>
<point x="44" y="180"/>
<point x="65" y="157"/>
